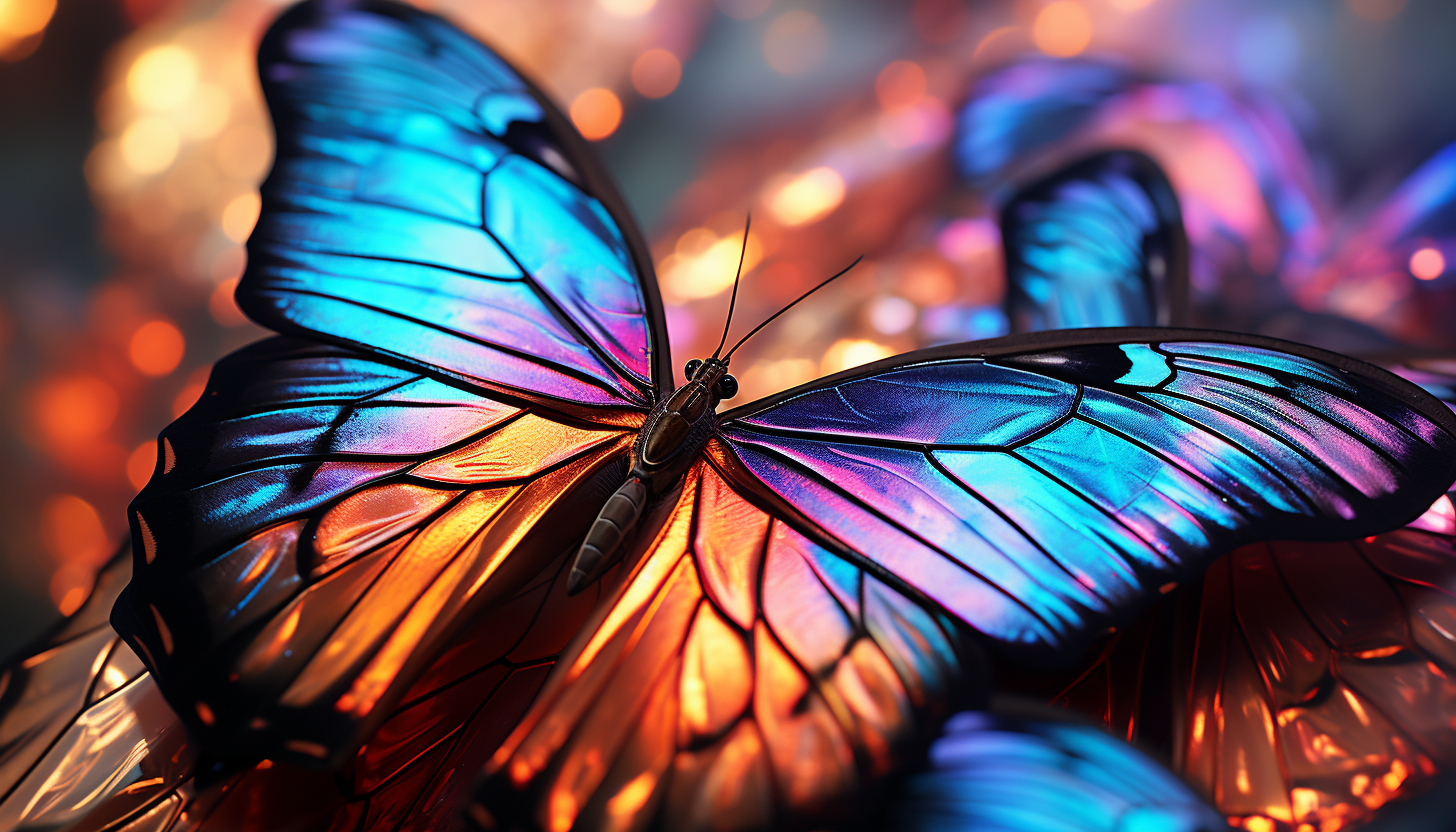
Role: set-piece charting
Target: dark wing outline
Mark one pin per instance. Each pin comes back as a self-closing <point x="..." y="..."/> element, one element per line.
<point x="762" y="494"/>
<point x="596" y="183"/>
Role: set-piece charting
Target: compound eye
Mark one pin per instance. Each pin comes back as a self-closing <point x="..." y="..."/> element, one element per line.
<point x="727" y="387"/>
<point x="691" y="368"/>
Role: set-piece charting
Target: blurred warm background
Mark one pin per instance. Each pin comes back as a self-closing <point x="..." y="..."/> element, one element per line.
<point x="133" y="138"/>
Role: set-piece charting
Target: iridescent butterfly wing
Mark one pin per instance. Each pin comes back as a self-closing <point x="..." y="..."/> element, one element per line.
<point x="1021" y="494"/>
<point x="1297" y="683"/>
<point x="1098" y="243"/>
<point x="1013" y="773"/>
<point x="474" y="338"/>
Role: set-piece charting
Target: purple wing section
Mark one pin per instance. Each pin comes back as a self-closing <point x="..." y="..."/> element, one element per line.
<point x="1040" y="493"/>
<point x="425" y="204"/>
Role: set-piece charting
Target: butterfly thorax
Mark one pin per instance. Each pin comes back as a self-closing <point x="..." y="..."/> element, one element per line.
<point x="674" y="434"/>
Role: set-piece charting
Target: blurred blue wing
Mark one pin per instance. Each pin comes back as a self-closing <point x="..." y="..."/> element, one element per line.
<point x="993" y="773"/>
<point x="427" y="203"/>
<point x="1039" y="487"/>
<point x="1027" y="106"/>
<point x="1099" y="243"/>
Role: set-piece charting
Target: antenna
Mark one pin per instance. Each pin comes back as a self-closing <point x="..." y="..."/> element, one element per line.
<point x="770" y="319"/>
<point x="742" y="254"/>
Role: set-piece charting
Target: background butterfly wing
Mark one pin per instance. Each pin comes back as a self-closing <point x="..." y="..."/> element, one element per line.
<point x="741" y="676"/>
<point x="1039" y="487"/>
<point x="1098" y="243"/>
<point x="85" y="734"/>
<point x="428" y="203"/>
<point x="320" y="525"/>
<point x="1297" y="682"/>
<point x="993" y="773"/>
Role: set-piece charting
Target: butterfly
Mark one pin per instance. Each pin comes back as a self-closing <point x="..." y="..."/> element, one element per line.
<point x="356" y="552"/>
<point x="1295" y="682"/>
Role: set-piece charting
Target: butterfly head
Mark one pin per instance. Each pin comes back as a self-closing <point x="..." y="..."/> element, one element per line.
<point x="713" y="375"/>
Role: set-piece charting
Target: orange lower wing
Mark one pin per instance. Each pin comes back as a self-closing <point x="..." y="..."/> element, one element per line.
<point x="1297" y="684"/>
<point x="740" y="676"/>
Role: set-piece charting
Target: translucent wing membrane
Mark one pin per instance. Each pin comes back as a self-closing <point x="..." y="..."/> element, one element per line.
<point x="740" y="677"/>
<point x="427" y="203"/>
<point x="1099" y="243"/>
<point x="1298" y="683"/>
<point x="1004" y="774"/>
<point x="90" y="743"/>
<point x="84" y="731"/>
<point x="319" y="526"/>
<point x="1039" y="487"/>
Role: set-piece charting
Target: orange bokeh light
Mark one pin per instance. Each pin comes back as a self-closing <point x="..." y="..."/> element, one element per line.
<point x="71" y="530"/>
<point x="1062" y="29"/>
<point x="69" y="409"/>
<point x="141" y="463"/>
<point x="156" y="347"/>
<point x="1427" y="264"/>
<point x="223" y="306"/>
<point x="656" y="73"/>
<point x="900" y="85"/>
<point x="596" y="113"/>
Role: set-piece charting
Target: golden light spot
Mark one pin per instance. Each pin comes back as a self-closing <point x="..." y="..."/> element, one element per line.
<point x="205" y="714"/>
<point x="156" y="347"/>
<point x="627" y="8"/>
<point x="1377" y="9"/>
<point x="852" y="352"/>
<point x="113" y="677"/>
<point x="22" y="18"/>
<point x="149" y="145"/>
<point x="240" y="215"/>
<point x="71" y="586"/>
<point x="900" y="85"/>
<point x="1304" y="801"/>
<point x="1258" y="823"/>
<point x="1241" y="781"/>
<point x="631" y="798"/>
<point x="704" y="272"/>
<point x="1357" y="708"/>
<point x="795" y="42"/>
<point x="75" y="408"/>
<point x="1062" y="29"/>
<point x="1198" y="720"/>
<point x="1379" y="652"/>
<point x="162" y="77"/>
<point x="596" y="113"/>
<point x="1359" y="783"/>
<point x="656" y="73"/>
<point x="206" y="114"/>
<point x="140" y="464"/>
<point x="1427" y="264"/>
<point x="563" y="810"/>
<point x="1396" y="776"/>
<point x="808" y="197"/>
<point x="223" y="306"/>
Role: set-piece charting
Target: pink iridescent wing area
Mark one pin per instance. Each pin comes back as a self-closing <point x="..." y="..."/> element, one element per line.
<point x="427" y="203"/>
<point x="1041" y="487"/>
<point x="321" y="524"/>
<point x="740" y="676"/>
<point x="1297" y="683"/>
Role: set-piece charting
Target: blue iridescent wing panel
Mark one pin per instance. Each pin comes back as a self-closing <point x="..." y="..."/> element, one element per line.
<point x="321" y="523"/>
<point x="1040" y="487"/>
<point x="1099" y="243"/>
<point x="992" y="773"/>
<point x="739" y="676"/>
<point x="429" y="204"/>
<point x="1021" y="109"/>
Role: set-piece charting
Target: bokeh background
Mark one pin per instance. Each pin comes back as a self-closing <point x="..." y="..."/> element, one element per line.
<point x="133" y="138"/>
